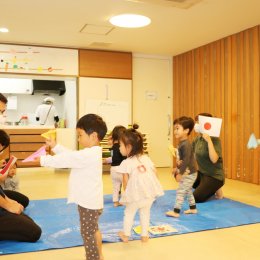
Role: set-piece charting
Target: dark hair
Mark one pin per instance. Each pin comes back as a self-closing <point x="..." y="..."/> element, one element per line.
<point x="135" y="139"/>
<point x="117" y="132"/>
<point x="3" y="98"/>
<point x="202" y="114"/>
<point x="185" y="122"/>
<point x="4" y="139"/>
<point x="92" y="123"/>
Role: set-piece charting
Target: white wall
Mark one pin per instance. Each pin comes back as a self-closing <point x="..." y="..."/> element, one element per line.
<point x="70" y="104"/>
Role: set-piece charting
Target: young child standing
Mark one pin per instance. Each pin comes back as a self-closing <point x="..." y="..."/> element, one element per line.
<point x="115" y="160"/>
<point x="85" y="181"/>
<point x="139" y="181"/>
<point x="186" y="171"/>
<point x="11" y="182"/>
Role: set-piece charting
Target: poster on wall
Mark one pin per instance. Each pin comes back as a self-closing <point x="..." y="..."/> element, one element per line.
<point x="113" y="112"/>
<point x="38" y="60"/>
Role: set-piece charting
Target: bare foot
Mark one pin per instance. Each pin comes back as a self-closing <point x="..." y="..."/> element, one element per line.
<point x="144" y="239"/>
<point x="191" y="211"/>
<point x="219" y="194"/>
<point x="117" y="204"/>
<point x="123" y="237"/>
<point x="172" y="214"/>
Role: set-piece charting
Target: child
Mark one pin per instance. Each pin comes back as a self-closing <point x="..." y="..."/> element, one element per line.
<point x="11" y="181"/>
<point x="116" y="158"/>
<point x="85" y="181"/>
<point x="186" y="171"/>
<point x="139" y="181"/>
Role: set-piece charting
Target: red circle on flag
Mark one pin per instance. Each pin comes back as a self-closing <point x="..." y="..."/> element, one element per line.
<point x="207" y="126"/>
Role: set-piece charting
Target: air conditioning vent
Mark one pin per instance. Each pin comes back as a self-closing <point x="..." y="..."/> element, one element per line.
<point x="48" y="87"/>
<point x="183" y="4"/>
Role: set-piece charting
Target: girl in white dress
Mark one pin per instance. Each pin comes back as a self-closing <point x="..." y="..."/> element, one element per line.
<point x="139" y="181"/>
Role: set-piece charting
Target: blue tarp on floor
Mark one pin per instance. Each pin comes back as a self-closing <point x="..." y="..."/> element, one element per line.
<point x="60" y="224"/>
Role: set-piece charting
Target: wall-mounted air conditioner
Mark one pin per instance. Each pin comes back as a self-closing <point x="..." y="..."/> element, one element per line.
<point x="15" y="86"/>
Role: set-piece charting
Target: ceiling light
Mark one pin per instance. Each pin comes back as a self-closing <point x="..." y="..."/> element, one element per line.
<point x="130" y="20"/>
<point x="4" y="30"/>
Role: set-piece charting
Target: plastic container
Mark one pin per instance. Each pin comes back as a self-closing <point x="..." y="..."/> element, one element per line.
<point x="24" y="120"/>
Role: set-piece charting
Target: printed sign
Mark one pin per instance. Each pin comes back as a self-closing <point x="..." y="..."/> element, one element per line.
<point x="210" y="125"/>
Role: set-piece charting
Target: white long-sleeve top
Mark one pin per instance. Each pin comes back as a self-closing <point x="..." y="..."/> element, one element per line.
<point x="85" y="180"/>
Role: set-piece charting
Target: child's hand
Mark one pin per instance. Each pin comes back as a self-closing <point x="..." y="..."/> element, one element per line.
<point x="178" y="177"/>
<point x="179" y="162"/>
<point x="37" y="159"/>
<point x="174" y="171"/>
<point x="50" y="142"/>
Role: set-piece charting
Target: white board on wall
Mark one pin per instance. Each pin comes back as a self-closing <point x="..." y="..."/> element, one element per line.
<point x="109" y="98"/>
<point x="113" y="112"/>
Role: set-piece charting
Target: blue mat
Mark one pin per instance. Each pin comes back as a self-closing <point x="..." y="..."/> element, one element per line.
<point x="60" y="223"/>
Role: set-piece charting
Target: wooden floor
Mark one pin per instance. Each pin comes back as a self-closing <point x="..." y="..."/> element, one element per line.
<point x="231" y="243"/>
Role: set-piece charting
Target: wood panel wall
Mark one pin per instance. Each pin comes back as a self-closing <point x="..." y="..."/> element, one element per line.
<point x="105" y="64"/>
<point x="222" y="78"/>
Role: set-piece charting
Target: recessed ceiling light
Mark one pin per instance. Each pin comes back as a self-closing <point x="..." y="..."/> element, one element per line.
<point x="4" y="30"/>
<point x="130" y="20"/>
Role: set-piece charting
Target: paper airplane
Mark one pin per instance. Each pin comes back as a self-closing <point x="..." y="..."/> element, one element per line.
<point x="51" y="134"/>
<point x="210" y="125"/>
<point x="253" y="142"/>
<point x="157" y="230"/>
<point x="41" y="151"/>
<point x="174" y="151"/>
<point x="8" y="165"/>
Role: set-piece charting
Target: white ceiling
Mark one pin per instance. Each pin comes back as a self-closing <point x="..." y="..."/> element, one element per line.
<point x="173" y="30"/>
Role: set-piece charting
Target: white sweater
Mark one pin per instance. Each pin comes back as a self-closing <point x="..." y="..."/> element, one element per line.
<point x="85" y="181"/>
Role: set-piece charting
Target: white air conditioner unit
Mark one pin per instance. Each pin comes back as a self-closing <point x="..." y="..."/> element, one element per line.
<point x="15" y="86"/>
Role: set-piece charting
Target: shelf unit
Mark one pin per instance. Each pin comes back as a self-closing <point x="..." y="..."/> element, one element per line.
<point x="24" y="142"/>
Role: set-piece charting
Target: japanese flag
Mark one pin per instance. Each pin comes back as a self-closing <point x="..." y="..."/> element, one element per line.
<point x="210" y="125"/>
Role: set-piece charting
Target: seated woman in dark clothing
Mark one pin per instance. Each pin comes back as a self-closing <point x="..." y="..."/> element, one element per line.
<point x="14" y="224"/>
<point x="208" y="154"/>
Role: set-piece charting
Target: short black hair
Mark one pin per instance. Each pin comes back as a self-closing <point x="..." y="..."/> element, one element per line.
<point x="3" y="98"/>
<point x="92" y="123"/>
<point x="135" y="139"/>
<point x="116" y="132"/>
<point x="185" y="122"/>
<point x="4" y="139"/>
<point x="202" y="114"/>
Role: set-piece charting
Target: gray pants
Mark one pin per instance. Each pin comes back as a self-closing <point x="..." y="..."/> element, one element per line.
<point x="185" y="190"/>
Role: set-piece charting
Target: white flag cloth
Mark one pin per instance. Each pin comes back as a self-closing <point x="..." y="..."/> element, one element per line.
<point x="210" y="125"/>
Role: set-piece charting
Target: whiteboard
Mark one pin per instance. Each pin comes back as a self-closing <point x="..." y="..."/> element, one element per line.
<point x="109" y="98"/>
<point x="113" y="112"/>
